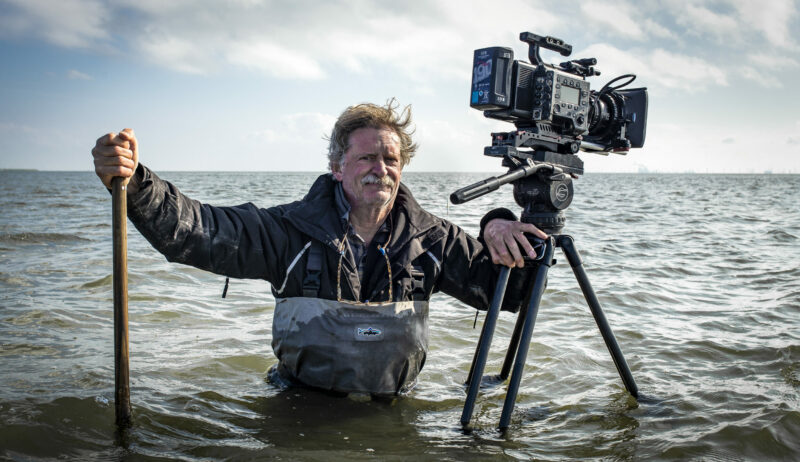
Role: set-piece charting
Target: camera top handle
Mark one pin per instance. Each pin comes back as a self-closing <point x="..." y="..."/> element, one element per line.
<point x="582" y="67"/>
<point x="551" y="43"/>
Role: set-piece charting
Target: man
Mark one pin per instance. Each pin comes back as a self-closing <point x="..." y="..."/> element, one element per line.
<point x="352" y="265"/>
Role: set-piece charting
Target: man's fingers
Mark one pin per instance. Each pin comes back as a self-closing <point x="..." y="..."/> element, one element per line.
<point x="498" y="252"/>
<point x="133" y="144"/>
<point x="110" y="171"/>
<point x="504" y="239"/>
<point x="113" y="139"/>
<point x="115" y="159"/>
<point x="526" y="245"/>
<point x="128" y="136"/>
<point x="105" y="139"/>
<point x="516" y="255"/>
<point x="529" y="228"/>
<point x="495" y="258"/>
<point x="112" y="152"/>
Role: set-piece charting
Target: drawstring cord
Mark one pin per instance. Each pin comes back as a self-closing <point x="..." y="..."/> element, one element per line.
<point x="385" y="254"/>
<point x="339" y="277"/>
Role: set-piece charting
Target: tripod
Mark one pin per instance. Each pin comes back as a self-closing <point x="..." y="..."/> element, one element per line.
<point x="550" y="218"/>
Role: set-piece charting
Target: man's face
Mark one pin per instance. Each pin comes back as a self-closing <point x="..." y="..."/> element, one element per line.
<point x="371" y="168"/>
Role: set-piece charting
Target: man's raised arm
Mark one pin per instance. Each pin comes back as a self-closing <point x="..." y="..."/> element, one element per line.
<point x="242" y="241"/>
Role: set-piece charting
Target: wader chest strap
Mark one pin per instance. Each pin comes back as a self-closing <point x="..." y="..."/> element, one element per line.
<point x="417" y="283"/>
<point x="311" y="282"/>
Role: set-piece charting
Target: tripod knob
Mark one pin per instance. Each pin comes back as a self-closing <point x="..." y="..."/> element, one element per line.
<point x="549" y="222"/>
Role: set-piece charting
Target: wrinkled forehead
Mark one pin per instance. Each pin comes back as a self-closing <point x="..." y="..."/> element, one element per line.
<point x="374" y="140"/>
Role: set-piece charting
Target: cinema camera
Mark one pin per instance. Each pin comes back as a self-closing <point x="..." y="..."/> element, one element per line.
<point x="556" y="115"/>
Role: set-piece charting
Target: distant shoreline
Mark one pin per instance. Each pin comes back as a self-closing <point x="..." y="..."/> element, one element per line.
<point x="406" y="172"/>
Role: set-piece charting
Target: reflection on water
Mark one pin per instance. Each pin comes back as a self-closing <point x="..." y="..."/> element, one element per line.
<point x="699" y="276"/>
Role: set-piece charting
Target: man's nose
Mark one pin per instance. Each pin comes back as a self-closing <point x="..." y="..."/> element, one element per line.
<point x="379" y="167"/>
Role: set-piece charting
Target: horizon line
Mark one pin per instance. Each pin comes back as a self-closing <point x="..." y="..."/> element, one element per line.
<point x="640" y="172"/>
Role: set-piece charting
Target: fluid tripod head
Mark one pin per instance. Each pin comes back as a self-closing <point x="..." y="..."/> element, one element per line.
<point x="542" y="189"/>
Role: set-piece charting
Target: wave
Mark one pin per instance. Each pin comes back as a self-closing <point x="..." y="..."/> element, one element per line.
<point x="104" y="281"/>
<point x="781" y="236"/>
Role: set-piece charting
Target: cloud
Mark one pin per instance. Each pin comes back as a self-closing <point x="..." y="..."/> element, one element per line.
<point x="275" y="60"/>
<point x="794" y="139"/>
<point x="292" y="142"/>
<point x="703" y="21"/>
<point x="729" y="140"/>
<point x="614" y="16"/>
<point x="773" y="61"/>
<point x="657" y="30"/>
<point x="658" y="67"/>
<point x="311" y="123"/>
<point x="298" y="127"/>
<point x="177" y="53"/>
<point x="65" y="23"/>
<point x="734" y="23"/>
<point x="765" y="80"/>
<point x="771" y="18"/>
<point x="686" y="72"/>
<point x="77" y="75"/>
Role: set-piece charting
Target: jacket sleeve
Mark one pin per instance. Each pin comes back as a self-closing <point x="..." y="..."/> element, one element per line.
<point x="469" y="274"/>
<point x="241" y="241"/>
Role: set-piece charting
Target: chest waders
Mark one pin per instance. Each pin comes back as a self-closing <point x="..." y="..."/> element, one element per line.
<point x="345" y="346"/>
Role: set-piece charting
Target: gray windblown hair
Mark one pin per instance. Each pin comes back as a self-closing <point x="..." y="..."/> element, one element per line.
<point x="368" y="115"/>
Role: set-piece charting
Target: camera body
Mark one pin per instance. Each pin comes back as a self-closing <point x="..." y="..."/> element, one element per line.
<point x="554" y="105"/>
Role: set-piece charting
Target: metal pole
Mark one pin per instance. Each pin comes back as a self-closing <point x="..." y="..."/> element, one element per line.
<point x="527" y="332"/>
<point x="514" y="343"/>
<point x="122" y="399"/>
<point x="485" y="342"/>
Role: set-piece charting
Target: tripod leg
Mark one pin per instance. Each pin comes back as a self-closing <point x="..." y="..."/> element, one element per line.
<point x="479" y="361"/>
<point x="477" y="349"/>
<point x="567" y="244"/>
<point x="527" y="332"/>
<point x="511" y="352"/>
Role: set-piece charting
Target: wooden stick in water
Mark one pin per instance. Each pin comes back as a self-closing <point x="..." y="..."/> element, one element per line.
<point x="119" y="210"/>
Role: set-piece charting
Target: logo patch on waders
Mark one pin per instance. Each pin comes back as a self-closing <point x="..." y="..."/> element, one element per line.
<point x="369" y="334"/>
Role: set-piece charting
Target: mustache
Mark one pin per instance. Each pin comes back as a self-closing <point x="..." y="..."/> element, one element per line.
<point x="374" y="179"/>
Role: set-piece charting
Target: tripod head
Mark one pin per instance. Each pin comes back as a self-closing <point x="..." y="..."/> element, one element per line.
<point x="542" y="184"/>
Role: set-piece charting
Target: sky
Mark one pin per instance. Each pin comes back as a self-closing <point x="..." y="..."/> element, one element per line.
<point x="255" y="85"/>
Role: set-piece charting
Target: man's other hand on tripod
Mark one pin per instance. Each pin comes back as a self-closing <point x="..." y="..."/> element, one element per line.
<point x="504" y="239"/>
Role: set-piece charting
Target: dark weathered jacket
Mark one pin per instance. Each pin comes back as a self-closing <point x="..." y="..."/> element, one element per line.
<point x="250" y="242"/>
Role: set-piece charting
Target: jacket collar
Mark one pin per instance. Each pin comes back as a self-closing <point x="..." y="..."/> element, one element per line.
<point x="318" y="216"/>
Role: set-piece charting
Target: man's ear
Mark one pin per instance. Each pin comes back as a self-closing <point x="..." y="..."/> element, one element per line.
<point x="336" y="169"/>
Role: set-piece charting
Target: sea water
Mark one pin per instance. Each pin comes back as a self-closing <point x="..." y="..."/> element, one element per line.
<point x="699" y="277"/>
